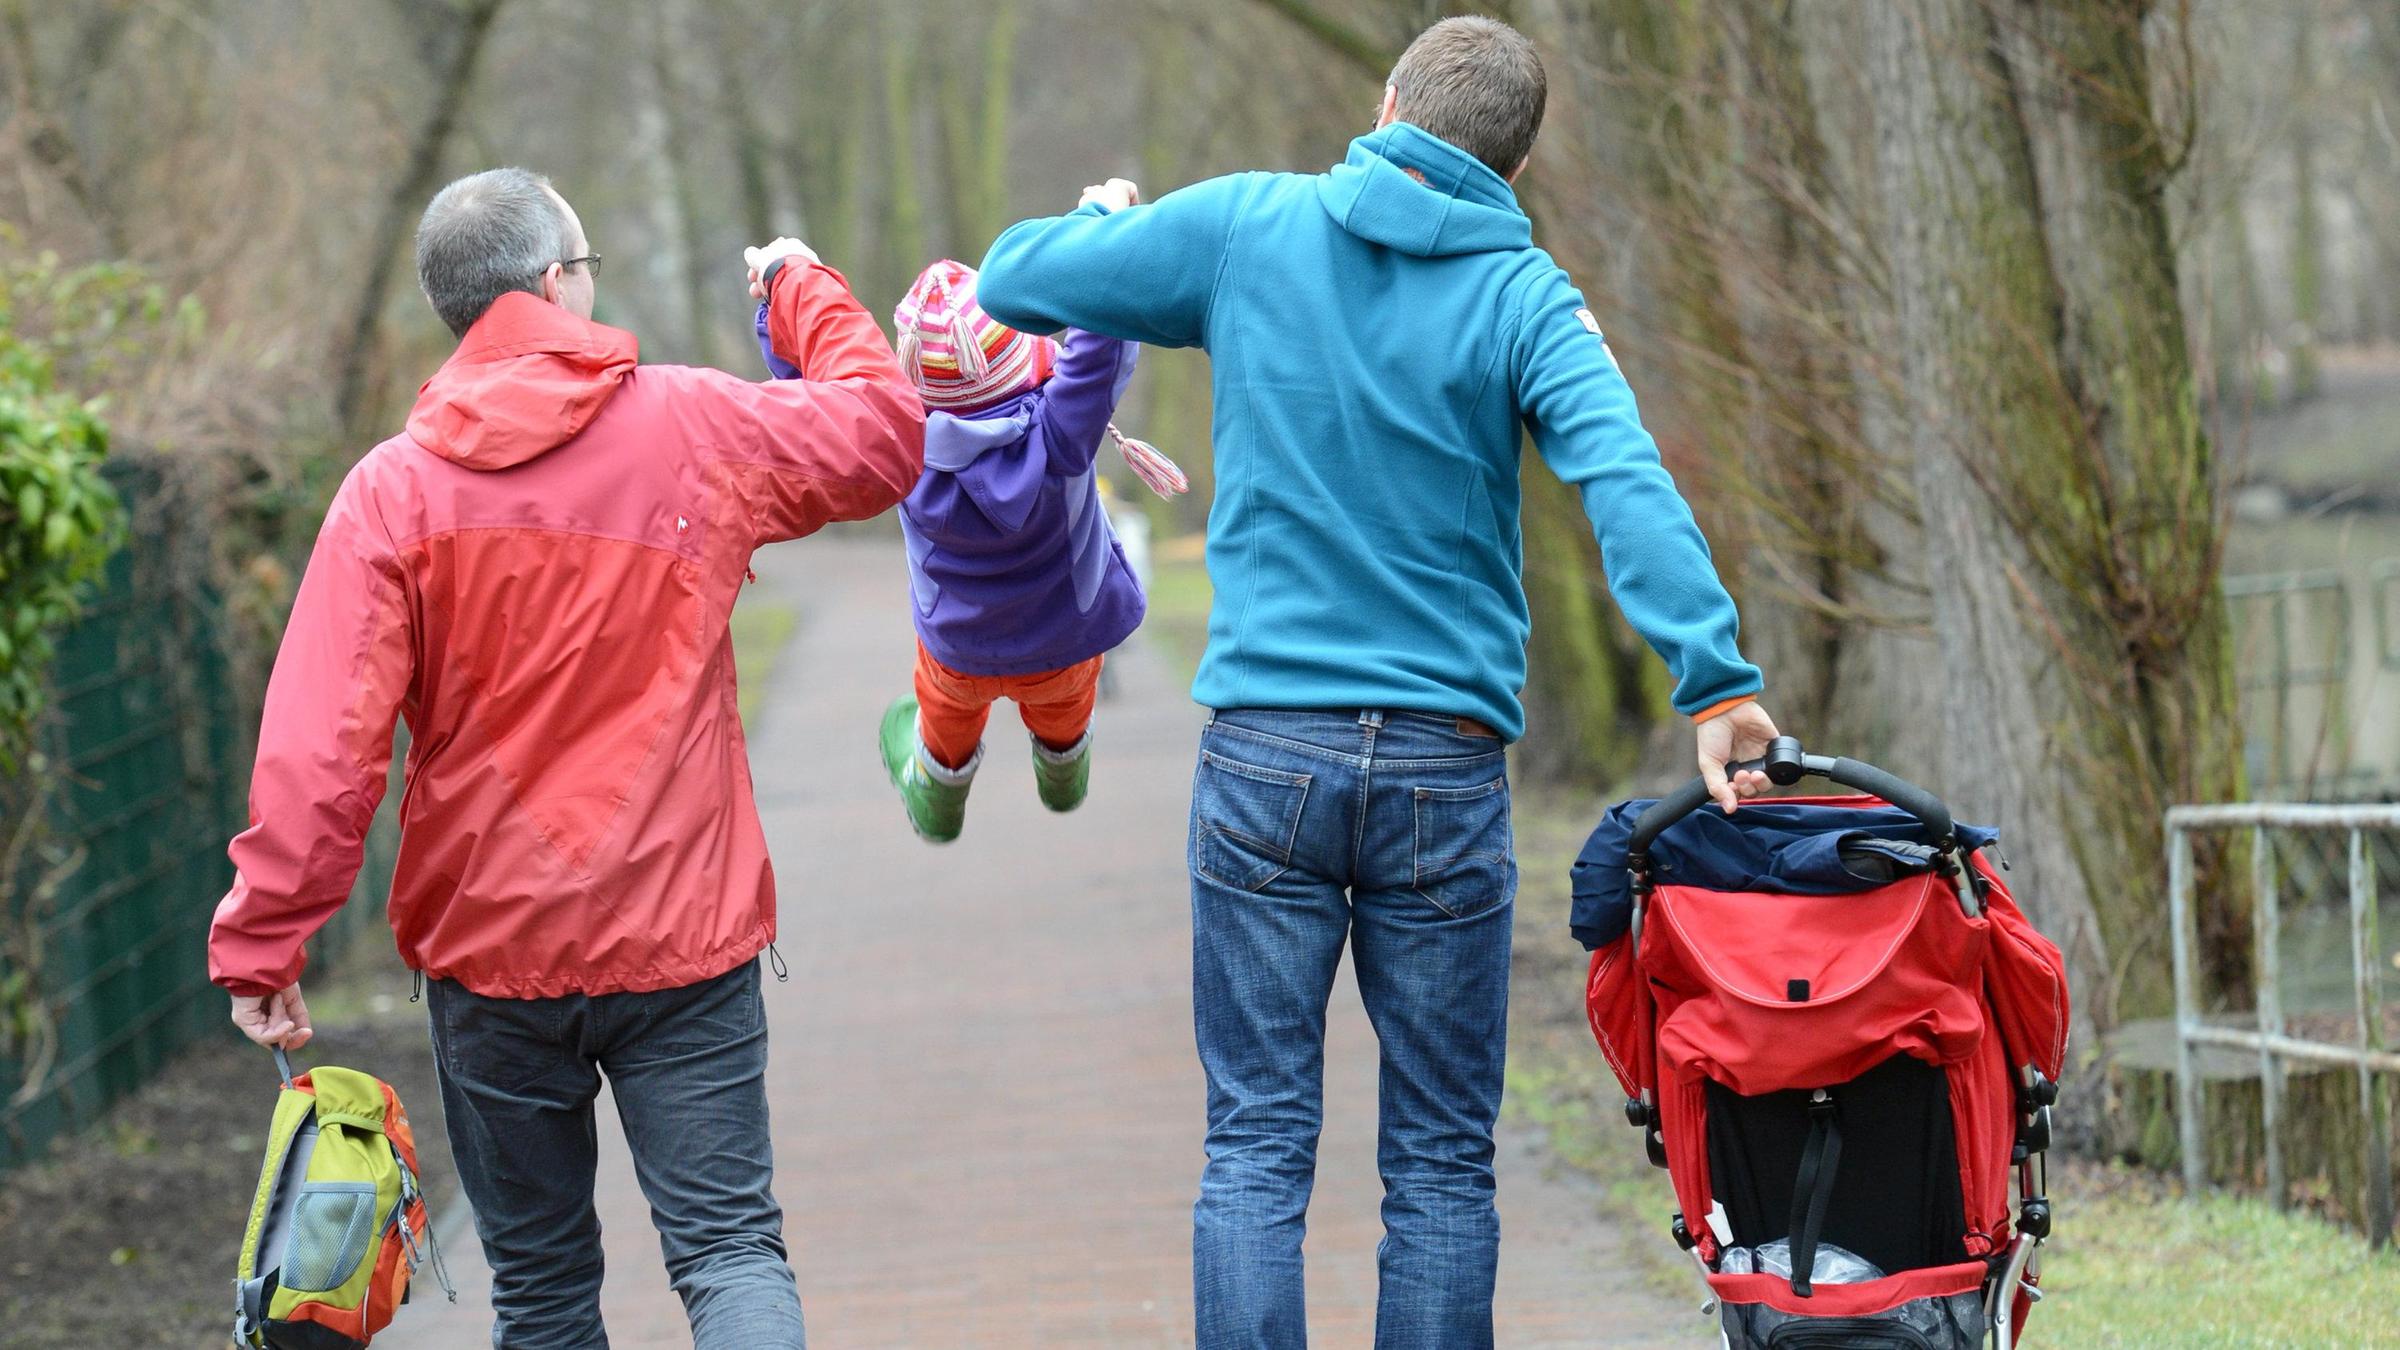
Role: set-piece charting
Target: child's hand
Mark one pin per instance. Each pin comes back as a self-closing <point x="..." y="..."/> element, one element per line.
<point x="760" y="257"/>
<point x="1115" y="195"/>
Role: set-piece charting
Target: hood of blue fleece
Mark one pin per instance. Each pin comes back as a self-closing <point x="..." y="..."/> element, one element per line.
<point x="1405" y="188"/>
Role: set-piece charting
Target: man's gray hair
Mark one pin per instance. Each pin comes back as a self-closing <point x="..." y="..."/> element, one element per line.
<point x="483" y="236"/>
<point x="1476" y="83"/>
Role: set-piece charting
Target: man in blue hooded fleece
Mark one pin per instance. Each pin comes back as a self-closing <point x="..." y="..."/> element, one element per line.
<point x="1381" y="335"/>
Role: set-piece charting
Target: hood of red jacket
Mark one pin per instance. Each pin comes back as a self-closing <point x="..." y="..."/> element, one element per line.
<point x="525" y="379"/>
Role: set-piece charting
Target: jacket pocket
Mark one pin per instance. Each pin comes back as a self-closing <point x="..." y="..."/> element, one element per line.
<point x="1464" y="862"/>
<point x="1245" y="820"/>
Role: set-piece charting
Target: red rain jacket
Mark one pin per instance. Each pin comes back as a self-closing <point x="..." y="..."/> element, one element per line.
<point x="537" y="575"/>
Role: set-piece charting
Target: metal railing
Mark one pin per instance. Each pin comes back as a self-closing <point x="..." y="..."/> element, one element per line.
<point x="2272" y="1040"/>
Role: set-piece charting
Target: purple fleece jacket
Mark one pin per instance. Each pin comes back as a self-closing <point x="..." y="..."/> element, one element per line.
<point x="1012" y="565"/>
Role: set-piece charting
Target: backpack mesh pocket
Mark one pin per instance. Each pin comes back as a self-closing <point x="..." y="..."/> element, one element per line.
<point x="331" y="1227"/>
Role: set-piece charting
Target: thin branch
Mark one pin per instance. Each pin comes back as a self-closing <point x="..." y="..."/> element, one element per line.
<point x="455" y="76"/>
<point x="1368" y="56"/>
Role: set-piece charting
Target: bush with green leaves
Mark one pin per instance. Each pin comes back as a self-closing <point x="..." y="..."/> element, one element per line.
<point x="59" y="519"/>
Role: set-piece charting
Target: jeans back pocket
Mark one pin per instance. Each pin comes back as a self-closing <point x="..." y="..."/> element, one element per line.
<point x="1464" y="861"/>
<point x="1245" y="820"/>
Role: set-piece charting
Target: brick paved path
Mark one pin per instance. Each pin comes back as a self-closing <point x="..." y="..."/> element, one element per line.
<point x="987" y="1109"/>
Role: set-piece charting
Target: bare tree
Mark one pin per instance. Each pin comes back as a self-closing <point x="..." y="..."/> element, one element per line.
<point x="2028" y="359"/>
<point x="46" y="109"/>
<point x="451" y="39"/>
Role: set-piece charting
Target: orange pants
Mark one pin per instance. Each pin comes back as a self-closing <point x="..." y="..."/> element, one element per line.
<point x="952" y="707"/>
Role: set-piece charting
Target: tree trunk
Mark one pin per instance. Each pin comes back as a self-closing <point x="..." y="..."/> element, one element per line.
<point x="2028" y="335"/>
<point x="973" y="125"/>
<point x="709" y="308"/>
<point x="454" y="76"/>
<point x="831" y="184"/>
<point x="904" y="238"/>
<point x="2142" y="551"/>
<point x="2308" y="226"/>
<point x="999" y="81"/>
<point x="1945" y="194"/>
<point x="1574" y="676"/>
<point x="753" y="152"/>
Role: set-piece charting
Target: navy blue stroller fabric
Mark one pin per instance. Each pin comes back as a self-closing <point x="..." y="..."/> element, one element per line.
<point x="1779" y="847"/>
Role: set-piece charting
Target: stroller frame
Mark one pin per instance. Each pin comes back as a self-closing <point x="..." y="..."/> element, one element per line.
<point x="2011" y="1284"/>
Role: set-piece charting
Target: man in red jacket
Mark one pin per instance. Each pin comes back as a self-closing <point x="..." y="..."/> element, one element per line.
<point x="537" y="574"/>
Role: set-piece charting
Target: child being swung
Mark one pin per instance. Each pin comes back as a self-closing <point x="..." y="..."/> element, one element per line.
<point x="1018" y="582"/>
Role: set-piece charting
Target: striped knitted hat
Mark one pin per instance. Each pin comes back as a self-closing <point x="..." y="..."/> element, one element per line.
<point x="960" y="358"/>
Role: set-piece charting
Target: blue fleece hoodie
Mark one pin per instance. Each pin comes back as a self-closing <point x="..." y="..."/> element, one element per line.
<point x="1380" y="335"/>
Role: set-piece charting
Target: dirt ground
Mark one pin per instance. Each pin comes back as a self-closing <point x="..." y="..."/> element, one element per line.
<point x="125" y="1235"/>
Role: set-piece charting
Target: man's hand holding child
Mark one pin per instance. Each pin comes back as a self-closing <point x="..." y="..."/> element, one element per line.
<point x="760" y="257"/>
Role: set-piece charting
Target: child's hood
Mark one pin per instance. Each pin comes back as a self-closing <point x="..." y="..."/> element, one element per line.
<point x="973" y="451"/>
<point x="1406" y="188"/>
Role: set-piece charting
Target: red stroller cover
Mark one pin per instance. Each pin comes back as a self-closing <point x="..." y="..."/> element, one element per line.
<point x="1722" y="995"/>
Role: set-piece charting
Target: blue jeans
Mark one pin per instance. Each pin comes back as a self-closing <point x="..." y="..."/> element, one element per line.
<point x="1389" y="831"/>
<point x="688" y="1069"/>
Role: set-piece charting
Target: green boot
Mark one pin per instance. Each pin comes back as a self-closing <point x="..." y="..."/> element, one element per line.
<point x="1063" y="776"/>
<point x="936" y="797"/>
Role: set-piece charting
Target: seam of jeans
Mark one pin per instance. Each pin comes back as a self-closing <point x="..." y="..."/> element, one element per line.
<point x="1441" y="761"/>
<point x="1366" y="786"/>
<point x="1428" y="897"/>
<point x="1201" y="869"/>
<point x="1296" y="747"/>
<point x="1476" y="793"/>
<point x="1257" y="773"/>
<point x="1358" y="818"/>
<point x="1200" y="858"/>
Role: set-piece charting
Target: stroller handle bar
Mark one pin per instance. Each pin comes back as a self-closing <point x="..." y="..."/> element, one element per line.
<point x="1785" y="764"/>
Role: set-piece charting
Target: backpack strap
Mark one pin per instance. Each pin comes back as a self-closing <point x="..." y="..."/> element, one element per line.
<point x="412" y="1197"/>
<point x="250" y="1311"/>
<point x="1812" y="1189"/>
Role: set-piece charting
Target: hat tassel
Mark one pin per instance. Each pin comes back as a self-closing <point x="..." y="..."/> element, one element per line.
<point x="1157" y="472"/>
<point x="971" y="363"/>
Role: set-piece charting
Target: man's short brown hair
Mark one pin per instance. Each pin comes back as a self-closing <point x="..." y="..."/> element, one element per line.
<point x="1476" y="83"/>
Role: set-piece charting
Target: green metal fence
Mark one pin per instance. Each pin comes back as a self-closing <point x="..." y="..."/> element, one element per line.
<point x="153" y="737"/>
<point x="144" y="740"/>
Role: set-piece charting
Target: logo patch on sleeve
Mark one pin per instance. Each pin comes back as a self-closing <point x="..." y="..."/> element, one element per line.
<point x="1590" y="324"/>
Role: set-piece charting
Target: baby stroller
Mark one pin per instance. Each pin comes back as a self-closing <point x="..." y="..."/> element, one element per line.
<point x="1839" y="1035"/>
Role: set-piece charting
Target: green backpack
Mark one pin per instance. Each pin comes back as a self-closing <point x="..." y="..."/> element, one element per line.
<point x="339" y="1223"/>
